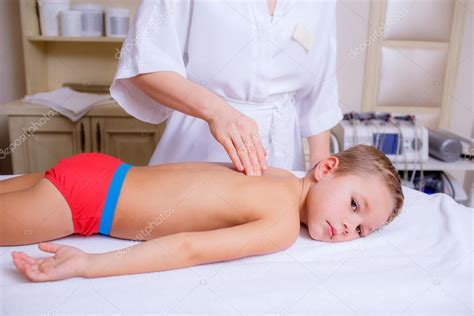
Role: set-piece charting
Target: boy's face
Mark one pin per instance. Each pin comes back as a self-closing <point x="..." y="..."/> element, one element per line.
<point x="346" y="207"/>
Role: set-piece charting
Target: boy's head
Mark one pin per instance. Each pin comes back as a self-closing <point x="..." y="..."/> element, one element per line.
<point x="352" y="193"/>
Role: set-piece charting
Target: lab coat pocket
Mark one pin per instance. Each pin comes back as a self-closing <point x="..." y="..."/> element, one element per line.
<point x="303" y="36"/>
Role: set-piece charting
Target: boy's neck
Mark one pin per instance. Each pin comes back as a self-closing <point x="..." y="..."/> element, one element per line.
<point x="305" y="183"/>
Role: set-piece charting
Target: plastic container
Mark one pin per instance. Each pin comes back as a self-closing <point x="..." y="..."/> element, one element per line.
<point x="70" y="23"/>
<point x="117" y="21"/>
<point x="49" y="15"/>
<point x="92" y="19"/>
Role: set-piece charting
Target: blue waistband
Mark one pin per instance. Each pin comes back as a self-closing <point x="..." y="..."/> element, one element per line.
<point x="112" y="198"/>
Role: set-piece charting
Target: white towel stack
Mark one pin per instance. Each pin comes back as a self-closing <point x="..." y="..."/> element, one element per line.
<point x="68" y="102"/>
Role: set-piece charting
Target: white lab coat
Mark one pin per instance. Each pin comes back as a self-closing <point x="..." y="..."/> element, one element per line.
<point x="248" y="58"/>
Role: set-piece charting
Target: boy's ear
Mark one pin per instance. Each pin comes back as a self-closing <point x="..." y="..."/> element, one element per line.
<point x="325" y="167"/>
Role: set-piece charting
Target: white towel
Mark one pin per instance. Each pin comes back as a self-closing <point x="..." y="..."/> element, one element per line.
<point x="68" y="102"/>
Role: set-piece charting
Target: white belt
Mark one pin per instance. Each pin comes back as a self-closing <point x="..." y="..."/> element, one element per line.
<point x="280" y="132"/>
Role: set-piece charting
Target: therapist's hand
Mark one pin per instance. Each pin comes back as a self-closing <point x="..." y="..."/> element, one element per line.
<point x="239" y="135"/>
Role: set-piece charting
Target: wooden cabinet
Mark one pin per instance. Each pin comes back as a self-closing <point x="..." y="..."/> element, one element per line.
<point x="39" y="141"/>
<point x="36" y="147"/>
<point x="131" y="140"/>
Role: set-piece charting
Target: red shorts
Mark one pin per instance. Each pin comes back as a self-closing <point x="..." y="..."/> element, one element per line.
<point x="85" y="182"/>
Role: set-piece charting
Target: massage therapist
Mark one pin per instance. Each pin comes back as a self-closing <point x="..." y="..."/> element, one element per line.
<point x="238" y="81"/>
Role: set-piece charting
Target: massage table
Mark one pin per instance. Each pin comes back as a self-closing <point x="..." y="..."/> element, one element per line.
<point x="420" y="264"/>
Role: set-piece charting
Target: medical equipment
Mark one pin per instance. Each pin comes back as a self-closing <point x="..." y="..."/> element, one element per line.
<point x="444" y="147"/>
<point x="333" y="145"/>
<point x="433" y="182"/>
<point x="400" y="138"/>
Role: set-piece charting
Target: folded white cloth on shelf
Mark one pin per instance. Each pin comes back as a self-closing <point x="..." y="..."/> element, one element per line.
<point x="72" y="104"/>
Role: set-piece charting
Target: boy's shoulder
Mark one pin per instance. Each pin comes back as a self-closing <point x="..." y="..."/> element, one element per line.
<point x="274" y="171"/>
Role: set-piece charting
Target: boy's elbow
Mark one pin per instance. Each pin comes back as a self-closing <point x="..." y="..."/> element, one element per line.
<point x="287" y="242"/>
<point x="188" y="250"/>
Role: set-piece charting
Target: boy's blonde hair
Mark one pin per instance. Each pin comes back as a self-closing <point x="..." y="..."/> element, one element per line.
<point x="367" y="160"/>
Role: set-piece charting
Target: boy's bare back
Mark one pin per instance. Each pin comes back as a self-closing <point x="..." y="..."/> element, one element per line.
<point x="200" y="196"/>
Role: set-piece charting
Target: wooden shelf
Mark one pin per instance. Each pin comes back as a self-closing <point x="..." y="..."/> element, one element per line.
<point x="52" y="61"/>
<point x="103" y="39"/>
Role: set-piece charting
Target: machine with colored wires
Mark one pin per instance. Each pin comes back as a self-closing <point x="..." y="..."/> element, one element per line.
<point x="406" y="143"/>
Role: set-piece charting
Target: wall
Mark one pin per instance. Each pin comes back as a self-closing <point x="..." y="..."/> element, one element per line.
<point x="462" y="117"/>
<point x="12" y="79"/>
<point x="463" y="97"/>
<point x="353" y="17"/>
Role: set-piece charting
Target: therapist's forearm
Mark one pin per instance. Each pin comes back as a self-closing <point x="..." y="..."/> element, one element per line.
<point x="174" y="91"/>
<point x="318" y="147"/>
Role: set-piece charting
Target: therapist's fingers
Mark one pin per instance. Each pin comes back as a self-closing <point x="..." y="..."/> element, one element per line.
<point x="261" y="152"/>
<point x="232" y="124"/>
<point x="252" y="154"/>
<point x="243" y="153"/>
<point x="246" y="128"/>
<point x="232" y="152"/>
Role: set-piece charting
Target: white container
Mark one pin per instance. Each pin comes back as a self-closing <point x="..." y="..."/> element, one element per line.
<point x="92" y="19"/>
<point x="117" y="21"/>
<point x="49" y="15"/>
<point x="70" y="23"/>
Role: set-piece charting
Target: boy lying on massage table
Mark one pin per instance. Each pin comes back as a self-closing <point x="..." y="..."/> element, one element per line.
<point x="189" y="213"/>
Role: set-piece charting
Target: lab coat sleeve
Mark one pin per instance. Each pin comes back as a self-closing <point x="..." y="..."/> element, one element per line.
<point x="318" y="107"/>
<point x="156" y="41"/>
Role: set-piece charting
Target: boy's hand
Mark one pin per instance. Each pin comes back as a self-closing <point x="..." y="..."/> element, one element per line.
<point x="67" y="262"/>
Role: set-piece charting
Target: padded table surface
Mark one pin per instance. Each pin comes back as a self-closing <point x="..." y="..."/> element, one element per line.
<point x="421" y="263"/>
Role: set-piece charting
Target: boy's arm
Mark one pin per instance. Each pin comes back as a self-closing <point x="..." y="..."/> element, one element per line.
<point x="192" y="248"/>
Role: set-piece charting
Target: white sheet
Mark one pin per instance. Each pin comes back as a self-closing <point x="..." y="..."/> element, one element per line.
<point x="419" y="264"/>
